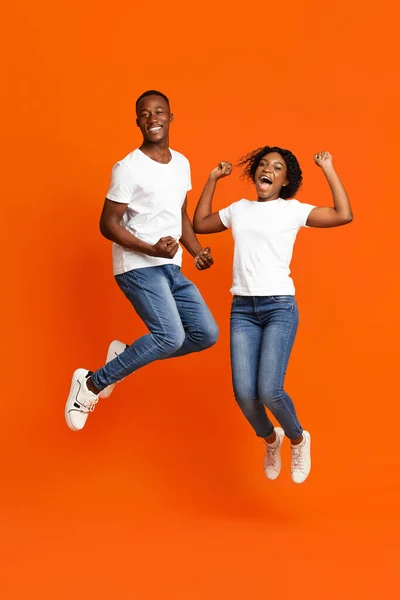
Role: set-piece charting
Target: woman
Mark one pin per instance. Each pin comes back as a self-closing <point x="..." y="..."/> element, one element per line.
<point x="264" y="314"/>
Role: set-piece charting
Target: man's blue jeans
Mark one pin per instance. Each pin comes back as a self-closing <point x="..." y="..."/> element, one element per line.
<point x="263" y="329"/>
<point x="176" y="315"/>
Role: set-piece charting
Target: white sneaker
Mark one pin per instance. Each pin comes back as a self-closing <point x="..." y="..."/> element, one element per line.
<point x="272" y="460"/>
<point x="81" y="401"/>
<point x="301" y="459"/>
<point x="114" y="349"/>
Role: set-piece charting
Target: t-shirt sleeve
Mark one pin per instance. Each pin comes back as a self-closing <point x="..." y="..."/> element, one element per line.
<point x="121" y="186"/>
<point x="225" y="214"/>
<point x="302" y="212"/>
<point x="189" y="180"/>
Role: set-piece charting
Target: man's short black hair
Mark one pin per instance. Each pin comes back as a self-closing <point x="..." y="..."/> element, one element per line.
<point x="152" y="93"/>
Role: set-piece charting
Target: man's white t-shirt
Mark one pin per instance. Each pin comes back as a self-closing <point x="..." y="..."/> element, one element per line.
<point x="154" y="194"/>
<point x="264" y="235"/>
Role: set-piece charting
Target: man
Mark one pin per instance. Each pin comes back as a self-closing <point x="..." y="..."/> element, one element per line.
<point x="145" y="217"/>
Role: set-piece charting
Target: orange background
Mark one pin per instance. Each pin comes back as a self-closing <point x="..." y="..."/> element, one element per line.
<point x="163" y="494"/>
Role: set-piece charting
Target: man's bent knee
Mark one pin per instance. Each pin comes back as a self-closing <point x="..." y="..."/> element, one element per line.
<point x="209" y="337"/>
<point x="171" y="343"/>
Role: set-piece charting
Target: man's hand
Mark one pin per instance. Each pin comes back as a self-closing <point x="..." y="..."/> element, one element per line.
<point x="223" y="170"/>
<point x="204" y="260"/>
<point x="323" y="160"/>
<point x="166" y="247"/>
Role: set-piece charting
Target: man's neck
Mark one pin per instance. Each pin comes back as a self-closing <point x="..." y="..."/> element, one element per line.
<point x="158" y="152"/>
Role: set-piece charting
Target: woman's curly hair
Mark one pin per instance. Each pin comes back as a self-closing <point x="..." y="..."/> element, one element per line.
<point x="251" y="161"/>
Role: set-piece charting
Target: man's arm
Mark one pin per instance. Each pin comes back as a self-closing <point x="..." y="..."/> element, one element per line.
<point x="202" y="258"/>
<point x="111" y="228"/>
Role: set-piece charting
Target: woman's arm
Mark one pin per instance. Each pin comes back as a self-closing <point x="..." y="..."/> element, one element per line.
<point x="340" y="213"/>
<point x="205" y="221"/>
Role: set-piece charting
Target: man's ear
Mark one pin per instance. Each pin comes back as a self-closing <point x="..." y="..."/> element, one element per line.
<point x="137" y="122"/>
<point x="171" y="117"/>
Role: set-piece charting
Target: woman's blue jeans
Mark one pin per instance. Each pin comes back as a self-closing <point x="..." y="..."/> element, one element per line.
<point x="263" y="329"/>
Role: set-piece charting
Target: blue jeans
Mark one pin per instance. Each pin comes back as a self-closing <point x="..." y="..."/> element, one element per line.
<point x="263" y="329"/>
<point x="176" y="315"/>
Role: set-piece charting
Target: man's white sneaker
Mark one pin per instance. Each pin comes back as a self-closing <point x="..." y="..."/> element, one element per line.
<point x="81" y="401"/>
<point x="301" y="459"/>
<point x="272" y="460"/>
<point x="114" y="349"/>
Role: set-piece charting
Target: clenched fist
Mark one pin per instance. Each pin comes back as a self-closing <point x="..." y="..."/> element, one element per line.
<point x="204" y="260"/>
<point x="323" y="159"/>
<point x="223" y="170"/>
<point x="166" y="247"/>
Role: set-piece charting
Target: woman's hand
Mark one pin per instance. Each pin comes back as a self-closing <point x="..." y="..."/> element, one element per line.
<point x="223" y="169"/>
<point x="323" y="159"/>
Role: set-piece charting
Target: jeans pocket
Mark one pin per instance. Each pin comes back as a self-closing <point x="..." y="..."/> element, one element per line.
<point x="284" y="301"/>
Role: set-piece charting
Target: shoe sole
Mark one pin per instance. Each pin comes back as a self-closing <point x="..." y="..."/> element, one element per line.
<point x="111" y="354"/>
<point x="72" y="396"/>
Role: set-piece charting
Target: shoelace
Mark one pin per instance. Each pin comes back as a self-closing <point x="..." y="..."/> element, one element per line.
<point x="297" y="458"/>
<point x="88" y="405"/>
<point x="271" y="459"/>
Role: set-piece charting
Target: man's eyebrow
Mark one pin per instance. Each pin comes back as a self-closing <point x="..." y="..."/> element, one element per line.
<point x="146" y="109"/>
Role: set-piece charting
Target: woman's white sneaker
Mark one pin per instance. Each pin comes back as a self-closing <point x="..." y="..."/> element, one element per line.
<point x="301" y="459"/>
<point x="114" y="350"/>
<point x="272" y="460"/>
<point x="81" y="401"/>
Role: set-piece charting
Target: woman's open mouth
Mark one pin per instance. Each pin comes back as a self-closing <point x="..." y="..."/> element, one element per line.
<point x="264" y="182"/>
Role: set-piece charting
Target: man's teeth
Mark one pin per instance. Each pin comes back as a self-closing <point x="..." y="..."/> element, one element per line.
<point x="155" y="129"/>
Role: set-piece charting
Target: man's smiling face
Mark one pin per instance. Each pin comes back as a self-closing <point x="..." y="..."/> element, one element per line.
<point x="154" y="118"/>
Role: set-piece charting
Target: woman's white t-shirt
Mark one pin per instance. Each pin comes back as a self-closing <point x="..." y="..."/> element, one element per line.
<point x="154" y="194"/>
<point x="264" y="234"/>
